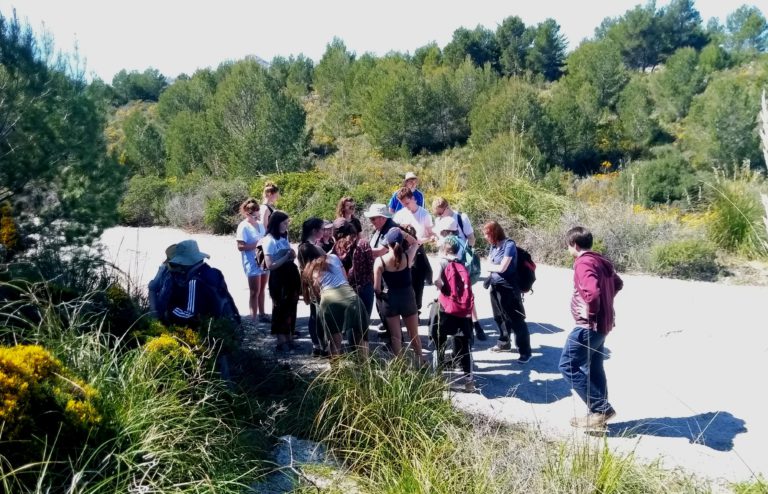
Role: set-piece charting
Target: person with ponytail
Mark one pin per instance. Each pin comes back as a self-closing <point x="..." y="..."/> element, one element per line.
<point x="249" y="232"/>
<point x="269" y="197"/>
<point x="340" y="309"/>
<point x="309" y="250"/>
<point x="394" y="269"/>
<point x="284" y="282"/>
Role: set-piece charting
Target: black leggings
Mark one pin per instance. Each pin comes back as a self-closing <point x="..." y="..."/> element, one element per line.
<point x="443" y="325"/>
<point x="509" y="314"/>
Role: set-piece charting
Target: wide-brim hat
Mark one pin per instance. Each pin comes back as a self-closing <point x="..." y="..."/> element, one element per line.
<point x="188" y="253"/>
<point x="410" y="175"/>
<point x="375" y="210"/>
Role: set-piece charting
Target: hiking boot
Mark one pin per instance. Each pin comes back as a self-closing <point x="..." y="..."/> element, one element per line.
<point x="502" y="346"/>
<point x="595" y="419"/>
<point x="469" y="385"/>
<point x="479" y="333"/>
<point x="524" y="359"/>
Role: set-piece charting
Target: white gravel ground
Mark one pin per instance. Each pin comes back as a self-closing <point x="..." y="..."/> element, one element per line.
<point x="684" y="370"/>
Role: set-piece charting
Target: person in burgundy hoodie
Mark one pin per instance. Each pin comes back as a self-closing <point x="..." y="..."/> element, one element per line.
<point x="595" y="285"/>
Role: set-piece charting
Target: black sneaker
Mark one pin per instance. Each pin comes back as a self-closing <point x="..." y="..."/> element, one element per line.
<point x="479" y="333"/>
<point x="523" y="359"/>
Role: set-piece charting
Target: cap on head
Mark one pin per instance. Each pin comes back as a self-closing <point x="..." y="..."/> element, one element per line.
<point x="187" y="254"/>
<point x="377" y="209"/>
<point x="327" y="225"/>
<point x="410" y="175"/>
<point x="393" y="236"/>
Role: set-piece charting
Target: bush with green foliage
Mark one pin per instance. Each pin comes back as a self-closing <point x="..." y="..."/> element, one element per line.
<point x="222" y="206"/>
<point x="663" y="180"/>
<point x="736" y="223"/>
<point x="692" y="259"/>
<point x="144" y="201"/>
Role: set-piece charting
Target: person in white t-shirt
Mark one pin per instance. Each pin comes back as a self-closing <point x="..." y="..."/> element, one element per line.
<point x="442" y="209"/>
<point x="249" y="232"/>
<point x="419" y="218"/>
<point x="269" y="198"/>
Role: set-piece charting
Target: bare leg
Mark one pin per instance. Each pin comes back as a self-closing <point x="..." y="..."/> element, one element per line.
<point x="335" y="344"/>
<point x="395" y="334"/>
<point x="412" y="325"/>
<point x="254" y="285"/>
<point x="263" y="280"/>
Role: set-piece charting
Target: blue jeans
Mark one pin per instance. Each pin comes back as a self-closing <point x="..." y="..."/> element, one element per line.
<point x="582" y="366"/>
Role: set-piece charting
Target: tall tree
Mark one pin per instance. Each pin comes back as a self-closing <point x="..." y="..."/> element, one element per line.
<point x="262" y="127"/>
<point x="599" y="64"/>
<point x="679" y="82"/>
<point x="747" y="31"/>
<point x="514" y="41"/>
<point x="547" y="53"/>
<point x="479" y="45"/>
<point x="135" y="85"/>
<point x="680" y="26"/>
<point x="54" y="171"/>
<point x="637" y="35"/>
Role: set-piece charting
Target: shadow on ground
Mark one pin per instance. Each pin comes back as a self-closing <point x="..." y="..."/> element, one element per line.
<point x="538" y="381"/>
<point x="715" y="430"/>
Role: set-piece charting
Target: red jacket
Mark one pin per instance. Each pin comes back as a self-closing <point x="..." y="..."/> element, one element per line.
<point x="595" y="284"/>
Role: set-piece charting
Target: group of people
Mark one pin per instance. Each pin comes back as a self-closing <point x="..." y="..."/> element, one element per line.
<point x="342" y="274"/>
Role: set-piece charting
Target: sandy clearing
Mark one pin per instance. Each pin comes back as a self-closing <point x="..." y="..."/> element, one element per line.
<point x="686" y="373"/>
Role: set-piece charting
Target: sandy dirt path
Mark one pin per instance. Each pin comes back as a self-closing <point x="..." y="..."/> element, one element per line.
<point x="687" y="366"/>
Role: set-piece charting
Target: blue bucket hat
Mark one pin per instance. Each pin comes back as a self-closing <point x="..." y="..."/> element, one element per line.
<point x="188" y="254"/>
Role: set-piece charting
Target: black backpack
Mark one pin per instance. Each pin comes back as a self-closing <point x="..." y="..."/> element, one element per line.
<point x="526" y="270"/>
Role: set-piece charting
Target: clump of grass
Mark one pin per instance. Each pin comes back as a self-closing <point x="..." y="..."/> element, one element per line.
<point x="737" y="220"/>
<point x="396" y="431"/>
<point x="168" y="421"/>
<point x="685" y="259"/>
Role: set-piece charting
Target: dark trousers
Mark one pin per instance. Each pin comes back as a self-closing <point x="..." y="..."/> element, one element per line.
<point x="509" y="314"/>
<point x="366" y="294"/>
<point x="581" y="363"/>
<point x="443" y="325"/>
<point x="421" y="271"/>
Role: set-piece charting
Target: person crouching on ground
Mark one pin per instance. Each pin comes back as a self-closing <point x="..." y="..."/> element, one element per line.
<point x="284" y="280"/>
<point x="456" y="304"/>
<point x="249" y="232"/>
<point x="394" y="268"/>
<point x="595" y="284"/>
<point x="506" y="299"/>
<point x="340" y="309"/>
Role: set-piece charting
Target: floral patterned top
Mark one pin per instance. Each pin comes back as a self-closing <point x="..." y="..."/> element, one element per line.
<point x="358" y="261"/>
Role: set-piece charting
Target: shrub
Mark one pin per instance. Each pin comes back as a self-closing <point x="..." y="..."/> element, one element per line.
<point x="185" y="210"/>
<point x="143" y="203"/>
<point x="685" y="259"/>
<point x="736" y="224"/>
<point x="39" y="397"/>
<point x="659" y="181"/>
<point x="222" y="206"/>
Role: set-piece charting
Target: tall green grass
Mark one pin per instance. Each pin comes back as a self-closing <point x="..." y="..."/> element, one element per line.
<point x="395" y="431"/>
<point x="169" y="422"/>
<point x="737" y="223"/>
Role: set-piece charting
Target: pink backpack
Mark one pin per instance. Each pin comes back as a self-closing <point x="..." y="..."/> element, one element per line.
<point x="456" y="296"/>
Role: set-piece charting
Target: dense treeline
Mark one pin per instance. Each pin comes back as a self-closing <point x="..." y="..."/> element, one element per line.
<point x="656" y="96"/>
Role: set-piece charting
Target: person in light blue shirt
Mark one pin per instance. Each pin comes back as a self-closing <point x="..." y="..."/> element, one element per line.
<point x="411" y="182"/>
<point x="249" y="232"/>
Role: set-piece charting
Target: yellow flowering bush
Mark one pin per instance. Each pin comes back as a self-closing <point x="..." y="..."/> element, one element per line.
<point x="34" y="383"/>
<point x="167" y="345"/>
<point x="9" y="236"/>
